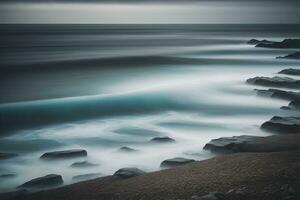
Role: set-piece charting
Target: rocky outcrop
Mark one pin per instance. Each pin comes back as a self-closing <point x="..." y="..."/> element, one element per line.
<point x="275" y="81"/>
<point x="88" y="176"/>
<point x="295" y="104"/>
<point x="4" y="156"/>
<point x="279" y="94"/>
<point x="127" y="150"/>
<point x="290" y="71"/>
<point x="174" y="162"/>
<point x="255" y="41"/>
<point x="295" y="55"/>
<point x="284" y="44"/>
<point x="128" y="172"/>
<point x="282" y="125"/>
<point x="49" y="180"/>
<point x="64" y="154"/>
<point x="162" y="139"/>
<point x="83" y="164"/>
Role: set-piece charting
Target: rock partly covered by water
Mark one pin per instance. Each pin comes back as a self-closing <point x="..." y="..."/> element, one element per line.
<point x="83" y="164"/>
<point x="49" y="180"/>
<point x="73" y="153"/>
<point x="4" y="156"/>
<point x="279" y="94"/>
<point x="284" y="44"/>
<point x="295" y="104"/>
<point x="275" y="81"/>
<point x="162" y="139"/>
<point x="295" y="55"/>
<point x="290" y="71"/>
<point x="7" y="176"/>
<point x="255" y="41"/>
<point x="127" y="150"/>
<point x="88" y="176"/>
<point x="174" y="162"/>
<point x="128" y="172"/>
<point x="282" y="125"/>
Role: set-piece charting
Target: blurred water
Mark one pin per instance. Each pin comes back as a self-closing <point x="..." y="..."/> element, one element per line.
<point x="104" y="87"/>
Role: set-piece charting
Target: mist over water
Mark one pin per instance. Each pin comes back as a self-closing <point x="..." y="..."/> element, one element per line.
<point x="104" y="87"/>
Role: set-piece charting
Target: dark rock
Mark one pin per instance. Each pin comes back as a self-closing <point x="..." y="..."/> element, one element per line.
<point x="86" y="176"/>
<point x="284" y="44"/>
<point x="295" y="104"/>
<point x="290" y="71"/>
<point x="279" y="94"/>
<point x="128" y="172"/>
<point x="285" y="108"/>
<point x="128" y="150"/>
<point x="214" y="196"/>
<point x="162" y="139"/>
<point x="4" y="156"/>
<point x="14" y="195"/>
<point x="275" y="81"/>
<point x="174" y="162"/>
<point x="295" y="55"/>
<point x="83" y="164"/>
<point x="49" y="180"/>
<point x="65" y="154"/>
<point x="282" y="125"/>
<point x="255" y="41"/>
<point x="7" y="176"/>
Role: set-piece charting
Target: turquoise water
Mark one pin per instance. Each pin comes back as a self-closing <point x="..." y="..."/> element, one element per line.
<point x="104" y="88"/>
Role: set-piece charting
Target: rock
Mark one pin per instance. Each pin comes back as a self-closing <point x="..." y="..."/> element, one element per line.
<point x="290" y="71"/>
<point x="282" y="125"/>
<point x="83" y="164"/>
<point x="275" y="81"/>
<point x="128" y="172"/>
<point x="65" y="154"/>
<point x="49" y="180"/>
<point x="255" y="41"/>
<point x="284" y="44"/>
<point x="295" y="104"/>
<point x="4" y="156"/>
<point x="162" y="139"/>
<point x="86" y="176"/>
<point x="128" y="150"/>
<point x="6" y="176"/>
<point x="295" y="55"/>
<point x="174" y="162"/>
<point x="214" y="196"/>
<point x="285" y="108"/>
<point x="279" y="94"/>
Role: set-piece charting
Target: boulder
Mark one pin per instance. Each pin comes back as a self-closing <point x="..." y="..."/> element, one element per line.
<point x="174" y="162"/>
<point x="49" y="180"/>
<point x="128" y="172"/>
<point x="284" y="44"/>
<point x="88" y="176"/>
<point x="162" y="139"/>
<point x="279" y="94"/>
<point x="64" y="154"/>
<point x="275" y="81"/>
<point x="295" y="55"/>
<point x="83" y="164"/>
<point x="127" y="150"/>
<point x="4" y="156"/>
<point x="282" y="125"/>
<point x="290" y="71"/>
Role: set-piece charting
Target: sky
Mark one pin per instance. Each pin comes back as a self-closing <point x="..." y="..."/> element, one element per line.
<point x="151" y="11"/>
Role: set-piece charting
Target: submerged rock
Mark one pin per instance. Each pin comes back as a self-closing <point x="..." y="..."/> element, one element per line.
<point x="4" y="156"/>
<point x="128" y="150"/>
<point x="7" y="176"/>
<point x="280" y="94"/>
<point x="290" y="71"/>
<point x="282" y="125"/>
<point x="65" y="154"/>
<point x="275" y="81"/>
<point x="295" y="55"/>
<point x="49" y="180"/>
<point x="128" y="172"/>
<point x="174" y="162"/>
<point x="83" y="164"/>
<point x="86" y="176"/>
<point x="284" y="44"/>
<point x="162" y="139"/>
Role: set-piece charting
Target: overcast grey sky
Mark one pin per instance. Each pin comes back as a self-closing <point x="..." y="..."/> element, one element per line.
<point x="150" y="11"/>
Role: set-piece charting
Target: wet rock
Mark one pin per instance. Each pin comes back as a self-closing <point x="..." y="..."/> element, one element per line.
<point x="7" y="176"/>
<point x="279" y="94"/>
<point x="285" y="108"/>
<point x="284" y="44"/>
<point x="83" y="164"/>
<point x="213" y="196"/>
<point x="174" y="162"/>
<point x="282" y="125"/>
<point x="4" y="156"/>
<point x="86" y="176"/>
<point x="162" y="139"/>
<point x="255" y="41"/>
<point x="275" y="81"/>
<point x="49" y="180"/>
<point x="295" y="55"/>
<point x="290" y="71"/>
<point x="128" y="150"/>
<point x="295" y="104"/>
<point x="128" y="172"/>
<point x="65" y="154"/>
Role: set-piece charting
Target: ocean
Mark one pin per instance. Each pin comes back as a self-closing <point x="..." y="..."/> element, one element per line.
<point x="103" y="87"/>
